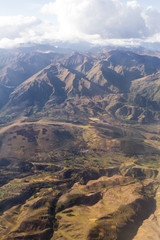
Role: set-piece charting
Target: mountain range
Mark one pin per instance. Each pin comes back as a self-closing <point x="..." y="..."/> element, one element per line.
<point x="79" y="144"/>
<point x="120" y="83"/>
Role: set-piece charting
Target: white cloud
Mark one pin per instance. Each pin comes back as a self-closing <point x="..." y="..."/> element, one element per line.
<point x="48" y="8"/>
<point x="15" y="30"/>
<point x="11" y="26"/>
<point x="152" y="19"/>
<point x="16" y="20"/>
<point x="133" y="4"/>
<point x="108" y="18"/>
<point x="95" y="21"/>
<point x="9" y="43"/>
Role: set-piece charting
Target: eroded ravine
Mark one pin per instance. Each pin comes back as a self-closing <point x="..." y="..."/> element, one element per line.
<point x="118" y="214"/>
<point x="80" y="204"/>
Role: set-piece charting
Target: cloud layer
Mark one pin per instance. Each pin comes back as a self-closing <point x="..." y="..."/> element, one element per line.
<point x="109" y="19"/>
<point x="96" y="21"/>
<point x="16" y="30"/>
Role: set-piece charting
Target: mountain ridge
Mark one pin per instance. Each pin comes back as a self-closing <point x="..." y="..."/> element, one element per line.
<point x="84" y="76"/>
<point x="79" y="146"/>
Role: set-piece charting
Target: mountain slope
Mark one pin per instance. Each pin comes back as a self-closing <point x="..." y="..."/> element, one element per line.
<point x="116" y="84"/>
<point x="79" y="146"/>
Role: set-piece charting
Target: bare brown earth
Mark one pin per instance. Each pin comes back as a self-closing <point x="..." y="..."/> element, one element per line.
<point x="63" y="180"/>
<point x="80" y="146"/>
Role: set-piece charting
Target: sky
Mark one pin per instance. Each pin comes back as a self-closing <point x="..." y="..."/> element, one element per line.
<point x="104" y="22"/>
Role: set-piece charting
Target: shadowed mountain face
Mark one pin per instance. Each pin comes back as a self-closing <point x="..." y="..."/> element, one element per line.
<point x="123" y="84"/>
<point x="20" y="66"/>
